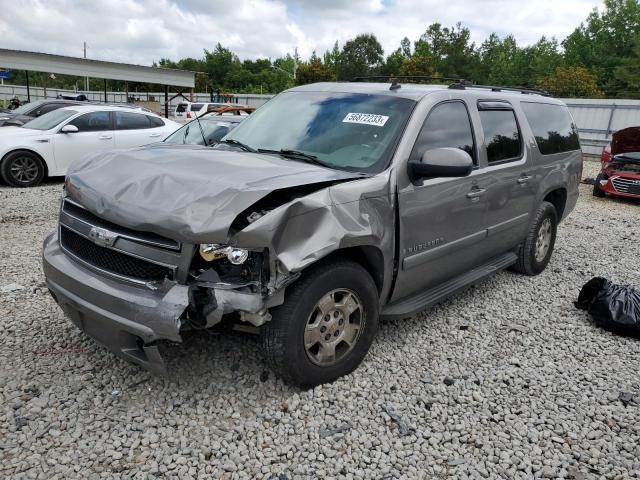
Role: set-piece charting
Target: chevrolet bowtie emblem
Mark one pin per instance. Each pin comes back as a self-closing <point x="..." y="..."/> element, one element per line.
<point x="102" y="237"/>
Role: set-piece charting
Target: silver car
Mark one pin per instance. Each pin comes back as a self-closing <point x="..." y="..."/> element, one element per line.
<point x="333" y="206"/>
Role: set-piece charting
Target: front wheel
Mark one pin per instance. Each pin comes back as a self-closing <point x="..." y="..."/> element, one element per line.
<point x="535" y="252"/>
<point x="325" y="326"/>
<point x="22" y="169"/>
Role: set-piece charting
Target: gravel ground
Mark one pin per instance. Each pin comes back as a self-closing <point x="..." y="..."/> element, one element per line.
<point x="507" y="380"/>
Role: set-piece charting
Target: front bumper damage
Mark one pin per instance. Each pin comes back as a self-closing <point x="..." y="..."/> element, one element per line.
<point x="130" y="319"/>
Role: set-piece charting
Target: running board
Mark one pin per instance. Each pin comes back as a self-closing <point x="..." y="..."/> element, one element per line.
<point x="418" y="302"/>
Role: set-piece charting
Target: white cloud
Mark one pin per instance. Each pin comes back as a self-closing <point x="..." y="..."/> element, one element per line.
<point x="141" y="31"/>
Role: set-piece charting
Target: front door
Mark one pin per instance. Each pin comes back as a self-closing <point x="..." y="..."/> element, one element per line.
<point x="95" y="133"/>
<point x="442" y="220"/>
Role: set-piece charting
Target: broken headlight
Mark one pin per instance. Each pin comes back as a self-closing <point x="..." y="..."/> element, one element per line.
<point x="213" y="251"/>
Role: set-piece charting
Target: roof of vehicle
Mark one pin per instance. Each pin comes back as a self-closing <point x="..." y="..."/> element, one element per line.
<point x="90" y="107"/>
<point x="416" y="91"/>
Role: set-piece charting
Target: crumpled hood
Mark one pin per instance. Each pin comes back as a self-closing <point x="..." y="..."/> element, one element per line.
<point x="625" y="141"/>
<point x="187" y="193"/>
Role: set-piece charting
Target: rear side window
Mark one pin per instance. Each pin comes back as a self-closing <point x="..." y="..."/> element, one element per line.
<point x="448" y="125"/>
<point x="155" y="121"/>
<point x="196" y="107"/>
<point x="131" y="121"/>
<point x="49" y="107"/>
<point x="552" y="127"/>
<point x="92" y="122"/>
<point x="501" y="133"/>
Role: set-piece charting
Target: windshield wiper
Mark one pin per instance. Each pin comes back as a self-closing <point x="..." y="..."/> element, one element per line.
<point x="297" y="155"/>
<point x="236" y="143"/>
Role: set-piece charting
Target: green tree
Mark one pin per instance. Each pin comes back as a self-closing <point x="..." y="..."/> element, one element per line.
<point x="331" y="58"/>
<point x="604" y="40"/>
<point x="571" y="82"/>
<point x="418" y="65"/>
<point x="628" y="73"/>
<point x="314" y="71"/>
<point x="453" y="53"/>
<point x="394" y="61"/>
<point x="361" y="56"/>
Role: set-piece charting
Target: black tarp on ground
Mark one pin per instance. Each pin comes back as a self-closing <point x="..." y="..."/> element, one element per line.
<point x="614" y="307"/>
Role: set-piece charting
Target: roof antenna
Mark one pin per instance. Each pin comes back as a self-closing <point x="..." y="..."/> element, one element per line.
<point x="394" y="84"/>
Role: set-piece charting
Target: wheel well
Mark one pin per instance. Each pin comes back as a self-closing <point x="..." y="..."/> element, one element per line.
<point x="44" y="164"/>
<point x="369" y="257"/>
<point x="557" y="198"/>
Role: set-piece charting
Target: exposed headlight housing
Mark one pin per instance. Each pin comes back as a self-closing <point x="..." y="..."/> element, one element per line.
<point x="213" y="251"/>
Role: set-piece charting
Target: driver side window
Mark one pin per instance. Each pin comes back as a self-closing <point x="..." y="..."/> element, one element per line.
<point x="93" y="122"/>
<point x="447" y="125"/>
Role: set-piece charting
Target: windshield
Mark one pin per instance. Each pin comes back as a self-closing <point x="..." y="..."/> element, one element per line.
<point x="181" y="107"/>
<point x="27" y="107"/>
<point x="191" y="134"/>
<point x="49" y="120"/>
<point x="348" y="131"/>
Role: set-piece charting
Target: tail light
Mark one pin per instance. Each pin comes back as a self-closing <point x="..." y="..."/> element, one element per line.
<point x="188" y="114"/>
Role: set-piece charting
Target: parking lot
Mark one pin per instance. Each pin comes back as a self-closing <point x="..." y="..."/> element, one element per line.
<point x="506" y="380"/>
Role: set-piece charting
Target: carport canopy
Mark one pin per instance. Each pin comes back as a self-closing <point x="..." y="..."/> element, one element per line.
<point x="84" y="67"/>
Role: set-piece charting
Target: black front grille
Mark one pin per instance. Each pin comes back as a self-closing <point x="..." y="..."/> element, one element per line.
<point x="625" y="185"/>
<point x="76" y="211"/>
<point x="111" y="260"/>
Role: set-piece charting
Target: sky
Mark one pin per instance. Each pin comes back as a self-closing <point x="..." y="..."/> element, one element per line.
<point x="143" y="31"/>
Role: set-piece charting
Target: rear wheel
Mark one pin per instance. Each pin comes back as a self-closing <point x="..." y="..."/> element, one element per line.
<point x="534" y="254"/>
<point x="326" y="325"/>
<point x="597" y="191"/>
<point x="22" y="169"/>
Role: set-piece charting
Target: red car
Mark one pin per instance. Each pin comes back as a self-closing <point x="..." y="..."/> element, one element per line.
<point x="620" y="174"/>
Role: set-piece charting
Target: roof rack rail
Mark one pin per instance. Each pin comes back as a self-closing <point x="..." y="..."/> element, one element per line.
<point x="394" y="79"/>
<point x="499" y="88"/>
<point x="458" y="83"/>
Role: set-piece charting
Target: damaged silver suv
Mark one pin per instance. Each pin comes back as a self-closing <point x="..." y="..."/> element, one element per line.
<point x="331" y="207"/>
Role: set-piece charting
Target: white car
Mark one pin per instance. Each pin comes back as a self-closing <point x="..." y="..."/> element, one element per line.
<point x="47" y="145"/>
<point x="187" y="111"/>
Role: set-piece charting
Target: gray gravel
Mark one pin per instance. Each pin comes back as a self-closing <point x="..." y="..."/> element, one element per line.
<point x="507" y="380"/>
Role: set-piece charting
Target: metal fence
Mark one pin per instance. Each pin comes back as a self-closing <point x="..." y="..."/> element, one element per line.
<point x="598" y="118"/>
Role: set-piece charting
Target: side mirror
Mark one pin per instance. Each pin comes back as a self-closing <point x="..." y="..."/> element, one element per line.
<point x="441" y="162"/>
<point x="69" y="129"/>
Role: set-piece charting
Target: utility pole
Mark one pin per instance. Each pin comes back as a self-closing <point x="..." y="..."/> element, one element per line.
<point x="86" y="79"/>
<point x="295" y="63"/>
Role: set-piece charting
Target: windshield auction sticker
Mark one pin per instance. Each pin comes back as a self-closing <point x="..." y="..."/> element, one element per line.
<point x="366" y="119"/>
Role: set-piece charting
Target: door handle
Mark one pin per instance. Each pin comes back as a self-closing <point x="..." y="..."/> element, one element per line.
<point x="154" y="135"/>
<point x="106" y="137"/>
<point x="476" y="192"/>
<point x="524" y="179"/>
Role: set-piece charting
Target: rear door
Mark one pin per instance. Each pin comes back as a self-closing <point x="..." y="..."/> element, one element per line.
<point x="135" y="129"/>
<point x="442" y="221"/>
<point x="95" y="133"/>
<point x="512" y="191"/>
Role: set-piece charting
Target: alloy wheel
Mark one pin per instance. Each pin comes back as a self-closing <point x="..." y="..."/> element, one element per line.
<point x="24" y="169"/>
<point x="334" y="326"/>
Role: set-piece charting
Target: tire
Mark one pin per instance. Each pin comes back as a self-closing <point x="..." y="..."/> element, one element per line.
<point x="22" y="169"/>
<point x="288" y="338"/>
<point x="528" y="262"/>
<point x="597" y="191"/>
